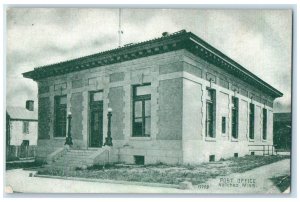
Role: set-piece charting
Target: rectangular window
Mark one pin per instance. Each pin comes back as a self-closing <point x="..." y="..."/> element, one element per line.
<point x="60" y="113"/>
<point x="251" y="121"/>
<point x="223" y="124"/>
<point x="235" y="117"/>
<point x="210" y="113"/>
<point x="265" y="124"/>
<point x="26" y="127"/>
<point x="139" y="160"/>
<point x="212" y="158"/>
<point x="141" y="126"/>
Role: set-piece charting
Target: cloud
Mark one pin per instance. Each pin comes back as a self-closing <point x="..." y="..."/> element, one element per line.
<point x="19" y="91"/>
<point x="260" y="40"/>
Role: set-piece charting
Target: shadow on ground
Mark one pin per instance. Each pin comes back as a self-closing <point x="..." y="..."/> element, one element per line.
<point x="282" y="182"/>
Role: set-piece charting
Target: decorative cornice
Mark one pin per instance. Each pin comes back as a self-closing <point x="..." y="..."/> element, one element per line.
<point x="176" y="41"/>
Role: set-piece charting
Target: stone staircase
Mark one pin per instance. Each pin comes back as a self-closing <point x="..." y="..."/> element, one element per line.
<point x="72" y="159"/>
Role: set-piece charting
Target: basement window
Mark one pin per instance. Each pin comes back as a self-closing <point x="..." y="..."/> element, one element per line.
<point x="252" y="153"/>
<point x="236" y="155"/>
<point x="139" y="160"/>
<point x="211" y="158"/>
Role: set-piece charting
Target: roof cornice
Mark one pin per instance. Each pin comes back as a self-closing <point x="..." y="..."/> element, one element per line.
<point x="176" y="41"/>
<point x="207" y="52"/>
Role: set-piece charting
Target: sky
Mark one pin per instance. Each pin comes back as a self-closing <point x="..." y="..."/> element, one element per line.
<point x="259" y="40"/>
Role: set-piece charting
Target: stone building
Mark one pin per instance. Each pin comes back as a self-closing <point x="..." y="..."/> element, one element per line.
<point x="174" y="99"/>
<point x="21" y="131"/>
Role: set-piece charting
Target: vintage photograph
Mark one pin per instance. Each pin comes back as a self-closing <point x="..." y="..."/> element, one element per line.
<point x="121" y="100"/>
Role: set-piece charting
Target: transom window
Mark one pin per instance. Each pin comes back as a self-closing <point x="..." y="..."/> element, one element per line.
<point x="141" y="126"/>
<point x="210" y="113"/>
<point x="97" y="96"/>
<point x="61" y="100"/>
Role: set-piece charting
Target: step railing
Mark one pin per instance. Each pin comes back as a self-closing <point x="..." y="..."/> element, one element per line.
<point x="102" y="156"/>
<point x="265" y="149"/>
<point x="58" y="153"/>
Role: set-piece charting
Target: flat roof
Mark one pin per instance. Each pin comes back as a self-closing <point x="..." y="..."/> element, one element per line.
<point x="176" y="41"/>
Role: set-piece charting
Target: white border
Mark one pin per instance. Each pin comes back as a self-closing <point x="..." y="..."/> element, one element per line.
<point x="162" y="3"/>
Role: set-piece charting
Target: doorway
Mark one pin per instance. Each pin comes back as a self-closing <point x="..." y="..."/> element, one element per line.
<point x="96" y="119"/>
<point x="24" y="149"/>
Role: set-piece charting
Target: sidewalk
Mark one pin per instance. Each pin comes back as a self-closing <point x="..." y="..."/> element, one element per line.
<point x="20" y="181"/>
<point x="253" y="181"/>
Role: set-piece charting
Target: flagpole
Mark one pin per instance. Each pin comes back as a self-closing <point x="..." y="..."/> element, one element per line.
<point x="120" y="29"/>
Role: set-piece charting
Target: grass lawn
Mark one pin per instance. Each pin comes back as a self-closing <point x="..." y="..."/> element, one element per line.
<point x="22" y="164"/>
<point x="170" y="174"/>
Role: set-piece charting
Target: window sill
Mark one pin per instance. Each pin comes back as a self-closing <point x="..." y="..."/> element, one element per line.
<point x="234" y="140"/>
<point x="264" y="140"/>
<point x="251" y="140"/>
<point x="141" y="138"/>
<point x="59" y="138"/>
<point x="210" y="139"/>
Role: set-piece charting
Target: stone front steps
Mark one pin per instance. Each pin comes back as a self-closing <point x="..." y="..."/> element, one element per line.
<point x="74" y="159"/>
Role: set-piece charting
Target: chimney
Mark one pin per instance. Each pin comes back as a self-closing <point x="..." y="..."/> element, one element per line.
<point x="164" y="34"/>
<point x="30" y="105"/>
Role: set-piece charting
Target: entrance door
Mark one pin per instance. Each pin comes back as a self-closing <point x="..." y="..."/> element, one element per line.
<point x="24" y="149"/>
<point x="96" y="119"/>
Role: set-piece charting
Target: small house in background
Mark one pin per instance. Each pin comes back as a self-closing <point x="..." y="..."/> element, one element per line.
<point x="282" y="131"/>
<point x="21" y="131"/>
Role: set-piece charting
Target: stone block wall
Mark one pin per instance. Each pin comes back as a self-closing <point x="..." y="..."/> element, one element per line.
<point x="170" y="109"/>
<point x="178" y="84"/>
<point x="116" y="82"/>
<point x="116" y="102"/>
<point x="44" y="117"/>
<point x="198" y="147"/>
<point x="76" y="110"/>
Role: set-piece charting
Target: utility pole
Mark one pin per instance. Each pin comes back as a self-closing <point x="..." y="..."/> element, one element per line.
<point x="120" y="32"/>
